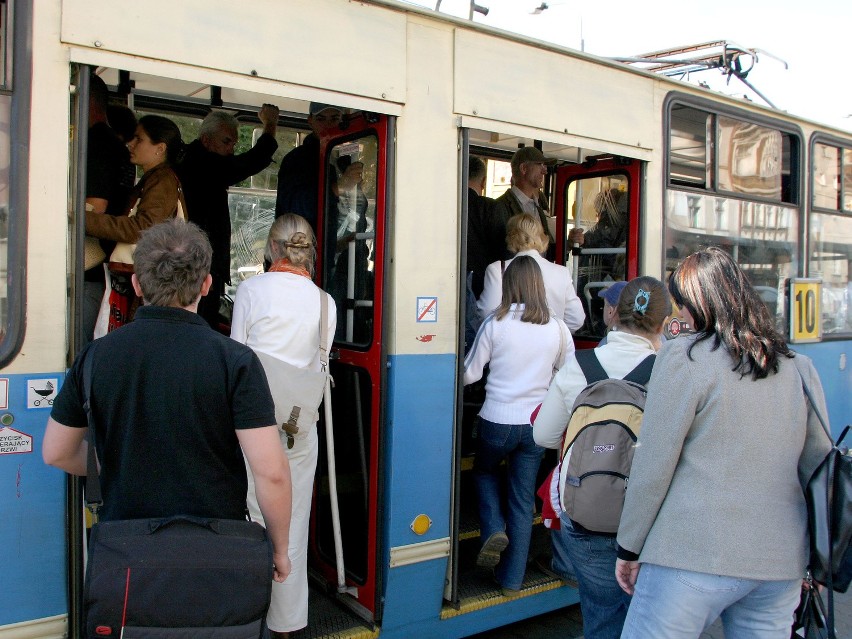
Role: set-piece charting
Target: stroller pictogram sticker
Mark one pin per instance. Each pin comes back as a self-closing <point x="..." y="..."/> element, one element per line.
<point x="41" y="392"/>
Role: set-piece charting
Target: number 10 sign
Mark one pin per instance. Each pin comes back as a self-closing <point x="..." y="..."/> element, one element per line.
<point x="805" y="310"/>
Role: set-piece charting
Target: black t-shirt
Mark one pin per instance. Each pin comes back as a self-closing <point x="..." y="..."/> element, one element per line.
<point x="168" y="394"/>
<point x="109" y="173"/>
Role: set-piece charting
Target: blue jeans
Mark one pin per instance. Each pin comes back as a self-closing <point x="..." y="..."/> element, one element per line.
<point x="603" y="603"/>
<point x="670" y="603"/>
<point x="514" y="443"/>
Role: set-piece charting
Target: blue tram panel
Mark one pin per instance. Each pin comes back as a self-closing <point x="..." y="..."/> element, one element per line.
<point x="32" y="503"/>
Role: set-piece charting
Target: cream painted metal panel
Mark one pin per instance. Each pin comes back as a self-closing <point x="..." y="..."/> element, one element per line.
<point x="261" y="88"/>
<point x="556" y="138"/>
<point x="45" y="342"/>
<point x="342" y="46"/>
<point x="425" y="223"/>
<point x="513" y="82"/>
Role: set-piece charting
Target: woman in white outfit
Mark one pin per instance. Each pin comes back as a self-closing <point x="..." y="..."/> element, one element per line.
<point x="525" y="236"/>
<point x="278" y="313"/>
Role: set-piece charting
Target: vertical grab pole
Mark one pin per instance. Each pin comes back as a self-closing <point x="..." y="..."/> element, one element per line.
<point x="332" y="489"/>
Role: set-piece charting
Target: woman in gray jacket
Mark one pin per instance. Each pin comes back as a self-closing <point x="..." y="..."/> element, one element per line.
<point x="714" y="511"/>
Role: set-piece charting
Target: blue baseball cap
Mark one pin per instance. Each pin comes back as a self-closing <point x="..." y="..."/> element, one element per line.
<point x="612" y="292"/>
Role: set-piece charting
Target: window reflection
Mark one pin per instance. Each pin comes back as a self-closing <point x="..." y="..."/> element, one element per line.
<point x="750" y="158"/>
<point x="831" y="261"/>
<point x="760" y="236"/>
<point x="350" y="220"/>
<point x="5" y="117"/>
<point x="826" y="176"/>
<point x="689" y="163"/>
<point x="598" y="205"/>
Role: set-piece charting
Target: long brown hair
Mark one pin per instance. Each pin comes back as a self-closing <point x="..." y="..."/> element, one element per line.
<point x="724" y="306"/>
<point x="524" y="284"/>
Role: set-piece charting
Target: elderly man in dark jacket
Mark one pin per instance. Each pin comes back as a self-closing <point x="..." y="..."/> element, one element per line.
<point x="208" y="168"/>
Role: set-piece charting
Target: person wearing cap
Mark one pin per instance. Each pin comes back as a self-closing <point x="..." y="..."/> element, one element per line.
<point x="610" y="296"/>
<point x="298" y="175"/>
<point x="529" y="168"/>
<point x="209" y="166"/>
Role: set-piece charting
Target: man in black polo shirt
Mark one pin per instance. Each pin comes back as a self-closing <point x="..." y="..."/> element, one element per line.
<point x="174" y="403"/>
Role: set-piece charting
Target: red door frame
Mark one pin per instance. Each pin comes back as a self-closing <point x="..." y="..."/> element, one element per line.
<point x="601" y="167"/>
<point x="359" y="126"/>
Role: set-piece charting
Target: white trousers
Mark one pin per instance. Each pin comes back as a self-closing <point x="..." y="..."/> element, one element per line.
<point x="289" y="608"/>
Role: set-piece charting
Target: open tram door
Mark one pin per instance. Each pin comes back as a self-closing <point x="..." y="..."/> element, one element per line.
<point x="602" y="196"/>
<point x="351" y="268"/>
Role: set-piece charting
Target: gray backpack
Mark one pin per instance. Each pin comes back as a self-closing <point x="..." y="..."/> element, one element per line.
<point x="605" y="422"/>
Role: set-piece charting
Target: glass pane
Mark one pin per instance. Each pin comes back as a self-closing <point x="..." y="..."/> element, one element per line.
<point x="847" y="180"/>
<point x="288" y="139"/>
<point x="5" y="116"/>
<point x="688" y="157"/>
<point x="598" y="205"/>
<point x="750" y="158"/>
<point x="761" y="237"/>
<point x="830" y="260"/>
<point x="826" y="163"/>
<point x="5" y="47"/>
<point x="252" y="213"/>
<point x="350" y="218"/>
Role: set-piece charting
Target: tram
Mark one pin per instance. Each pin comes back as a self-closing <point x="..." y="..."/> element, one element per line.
<point x="685" y="166"/>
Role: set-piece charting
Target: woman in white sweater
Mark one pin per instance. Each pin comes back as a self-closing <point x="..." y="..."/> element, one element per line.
<point x="278" y="313"/>
<point x="525" y="236"/>
<point x="523" y="345"/>
<point x="640" y="315"/>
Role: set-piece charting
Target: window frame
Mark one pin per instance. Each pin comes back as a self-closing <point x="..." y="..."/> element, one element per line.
<point x="841" y="145"/>
<point x="717" y="109"/>
<point x="20" y="12"/>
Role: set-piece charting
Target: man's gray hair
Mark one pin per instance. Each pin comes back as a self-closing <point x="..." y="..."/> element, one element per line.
<point x="215" y="121"/>
<point x="171" y="262"/>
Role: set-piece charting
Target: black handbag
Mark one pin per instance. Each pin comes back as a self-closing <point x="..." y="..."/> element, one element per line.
<point x="810" y="617"/>
<point x="176" y="577"/>
<point x="829" y="499"/>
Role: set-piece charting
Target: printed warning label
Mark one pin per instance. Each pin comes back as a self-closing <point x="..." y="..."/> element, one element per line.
<point x="13" y="442"/>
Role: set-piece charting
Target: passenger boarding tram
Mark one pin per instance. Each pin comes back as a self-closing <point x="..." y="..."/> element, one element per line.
<point x="681" y="166"/>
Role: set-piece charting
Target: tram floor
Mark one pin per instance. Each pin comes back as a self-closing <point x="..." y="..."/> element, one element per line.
<point x="328" y="619"/>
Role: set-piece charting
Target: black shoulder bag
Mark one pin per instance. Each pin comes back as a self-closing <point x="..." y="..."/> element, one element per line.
<point x="829" y="499"/>
<point x="172" y="577"/>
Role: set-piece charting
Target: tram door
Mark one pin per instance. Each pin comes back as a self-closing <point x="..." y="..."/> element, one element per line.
<point x="351" y="248"/>
<point x="602" y="197"/>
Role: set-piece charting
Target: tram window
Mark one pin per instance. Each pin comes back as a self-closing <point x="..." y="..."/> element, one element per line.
<point x="846" y="203"/>
<point x="831" y="261"/>
<point x="750" y="158"/>
<point x="5" y="119"/>
<point x="723" y="154"/>
<point x="689" y="157"/>
<point x="599" y="205"/>
<point x="826" y="177"/>
<point x="760" y="236"/>
<point x="5" y="48"/>
<point x="350" y="222"/>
